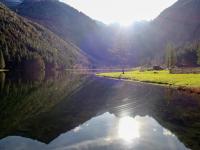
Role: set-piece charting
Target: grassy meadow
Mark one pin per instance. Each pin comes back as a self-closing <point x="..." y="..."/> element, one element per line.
<point x="158" y="77"/>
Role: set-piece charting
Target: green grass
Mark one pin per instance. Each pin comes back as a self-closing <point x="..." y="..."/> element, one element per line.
<point x="158" y="77"/>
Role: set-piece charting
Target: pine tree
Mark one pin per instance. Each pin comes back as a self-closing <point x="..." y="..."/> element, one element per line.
<point x="171" y="58"/>
<point x="198" y="54"/>
<point x="2" y="61"/>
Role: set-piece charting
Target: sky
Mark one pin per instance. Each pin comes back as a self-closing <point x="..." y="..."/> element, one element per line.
<point x="124" y="12"/>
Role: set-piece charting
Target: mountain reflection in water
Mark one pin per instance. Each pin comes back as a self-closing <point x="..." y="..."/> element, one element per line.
<point x="107" y="132"/>
<point x="97" y="113"/>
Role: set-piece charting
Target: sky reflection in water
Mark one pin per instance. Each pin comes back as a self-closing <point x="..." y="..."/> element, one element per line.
<point x="106" y="132"/>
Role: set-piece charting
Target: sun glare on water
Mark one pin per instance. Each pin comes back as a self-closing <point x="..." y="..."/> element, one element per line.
<point x="128" y="129"/>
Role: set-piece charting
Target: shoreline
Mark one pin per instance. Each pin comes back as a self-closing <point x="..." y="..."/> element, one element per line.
<point x="188" y="89"/>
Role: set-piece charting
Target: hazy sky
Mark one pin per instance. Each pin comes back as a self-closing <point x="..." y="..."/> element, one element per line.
<point x="121" y="11"/>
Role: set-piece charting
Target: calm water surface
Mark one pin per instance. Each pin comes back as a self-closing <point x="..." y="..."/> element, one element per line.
<point x="70" y="111"/>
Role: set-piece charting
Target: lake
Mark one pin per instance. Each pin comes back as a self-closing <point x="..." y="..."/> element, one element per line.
<point x="74" y="111"/>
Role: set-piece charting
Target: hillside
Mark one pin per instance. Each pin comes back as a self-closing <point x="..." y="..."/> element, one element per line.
<point x="112" y="45"/>
<point x="179" y="25"/>
<point x="92" y="37"/>
<point x="25" y="44"/>
<point x="180" y="22"/>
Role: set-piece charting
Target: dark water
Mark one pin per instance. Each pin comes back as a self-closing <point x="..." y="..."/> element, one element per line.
<point x="71" y="111"/>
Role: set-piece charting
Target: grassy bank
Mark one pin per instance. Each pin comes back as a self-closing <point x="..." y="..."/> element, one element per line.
<point x="181" y="81"/>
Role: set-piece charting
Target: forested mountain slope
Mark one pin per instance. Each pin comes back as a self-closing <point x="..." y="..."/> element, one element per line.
<point x="27" y="44"/>
<point x="142" y="43"/>
<point x="92" y="37"/>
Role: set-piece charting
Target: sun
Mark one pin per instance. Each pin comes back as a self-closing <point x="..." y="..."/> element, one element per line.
<point x="123" y="12"/>
<point x="125" y="20"/>
<point x="128" y="129"/>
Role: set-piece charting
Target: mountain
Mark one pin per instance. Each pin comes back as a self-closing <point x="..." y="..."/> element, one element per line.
<point x="142" y="43"/>
<point x="28" y="45"/>
<point x="92" y="37"/>
<point x="178" y="24"/>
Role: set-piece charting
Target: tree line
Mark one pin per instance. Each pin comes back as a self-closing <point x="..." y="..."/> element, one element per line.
<point x="187" y="55"/>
